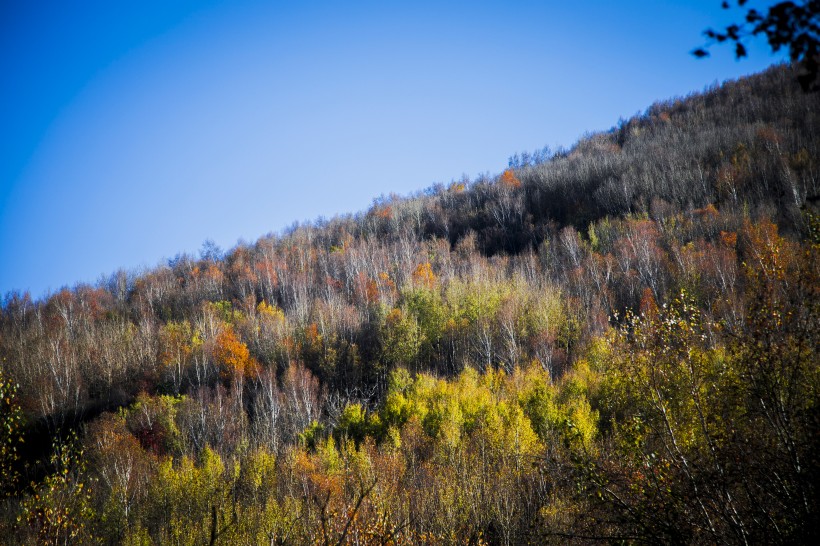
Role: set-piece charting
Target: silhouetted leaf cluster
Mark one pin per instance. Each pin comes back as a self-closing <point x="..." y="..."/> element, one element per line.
<point x="791" y="25"/>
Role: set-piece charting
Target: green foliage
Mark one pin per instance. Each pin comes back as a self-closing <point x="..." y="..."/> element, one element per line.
<point x="401" y="339"/>
<point x="430" y="313"/>
<point x="186" y="496"/>
<point x="311" y="435"/>
<point x="223" y="310"/>
<point x="353" y="423"/>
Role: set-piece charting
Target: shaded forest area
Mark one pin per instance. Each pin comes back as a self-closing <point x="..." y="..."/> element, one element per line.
<point x="612" y="343"/>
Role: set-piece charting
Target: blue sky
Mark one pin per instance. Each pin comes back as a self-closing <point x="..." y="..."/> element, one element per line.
<point x="136" y="130"/>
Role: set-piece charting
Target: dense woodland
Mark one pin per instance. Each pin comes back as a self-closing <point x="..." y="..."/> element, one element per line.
<point x="611" y="343"/>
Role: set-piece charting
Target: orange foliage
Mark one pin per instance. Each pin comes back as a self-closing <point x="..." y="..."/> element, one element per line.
<point x="372" y="291"/>
<point x="387" y="283"/>
<point x="394" y="317"/>
<point x="232" y="354"/>
<point x="315" y="476"/>
<point x="312" y="333"/>
<point x="93" y="301"/>
<point x="509" y="179"/>
<point x="424" y="276"/>
<point x="768" y="253"/>
<point x="210" y="272"/>
<point x="649" y="307"/>
<point x="708" y="212"/>
<point x="729" y="238"/>
<point x="385" y="213"/>
<point x="313" y="339"/>
<point x="385" y="278"/>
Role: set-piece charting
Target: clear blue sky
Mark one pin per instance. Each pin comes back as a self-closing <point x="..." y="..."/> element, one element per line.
<point x="132" y="131"/>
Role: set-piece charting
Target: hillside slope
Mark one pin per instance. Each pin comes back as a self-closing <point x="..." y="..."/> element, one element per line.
<point x="571" y="349"/>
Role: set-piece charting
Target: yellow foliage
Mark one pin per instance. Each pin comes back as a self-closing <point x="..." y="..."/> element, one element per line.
<point x="270" y="312"/>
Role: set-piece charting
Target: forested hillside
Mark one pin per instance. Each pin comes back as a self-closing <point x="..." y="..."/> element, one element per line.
<point x="615" y="342"/>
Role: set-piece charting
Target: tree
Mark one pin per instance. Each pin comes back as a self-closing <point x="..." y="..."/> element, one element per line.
<point x="176" y="342"/>
<point x="122" y="470"/>
<point x="795" y="25"/>
<point x="232" y="354"/>
<point x="59" y="509"/>
<point x="11" y="434"/>
<point x="708" y="441"/>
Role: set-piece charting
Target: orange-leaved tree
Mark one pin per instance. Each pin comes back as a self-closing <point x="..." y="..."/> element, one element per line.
<point x="233" y="355"/>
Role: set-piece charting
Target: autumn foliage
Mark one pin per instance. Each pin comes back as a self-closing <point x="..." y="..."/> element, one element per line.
<point x="232" y="354"/>
<point x="615" y="343"/>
